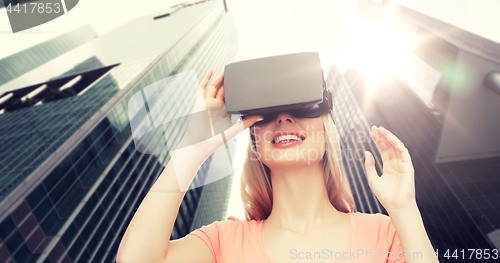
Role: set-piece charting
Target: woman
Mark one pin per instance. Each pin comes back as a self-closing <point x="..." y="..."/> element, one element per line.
<point x="297" y="199"/>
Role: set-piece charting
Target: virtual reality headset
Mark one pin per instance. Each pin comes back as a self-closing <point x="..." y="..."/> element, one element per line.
<point x="270" y="85"/>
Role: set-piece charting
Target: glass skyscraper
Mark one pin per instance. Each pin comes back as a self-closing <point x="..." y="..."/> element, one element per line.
<point x="37" y="55"/>
<point x="353" y="131"/>
<point x="71" y="178"/>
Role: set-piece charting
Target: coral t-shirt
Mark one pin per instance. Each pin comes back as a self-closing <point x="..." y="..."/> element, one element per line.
<point x="372" y="238"/>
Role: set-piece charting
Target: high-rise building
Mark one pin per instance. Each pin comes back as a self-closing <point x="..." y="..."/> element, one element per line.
<point x="353" y="131"/>
<point x="17" y="64"/>
<point x="71" y="177"/>
<point x="447" y="117"/>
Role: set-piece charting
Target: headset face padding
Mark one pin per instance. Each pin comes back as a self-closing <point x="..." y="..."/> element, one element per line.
<point x="309" y="112"/>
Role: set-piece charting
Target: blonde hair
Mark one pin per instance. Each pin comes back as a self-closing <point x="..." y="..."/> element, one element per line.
<point x="256" y="186"/>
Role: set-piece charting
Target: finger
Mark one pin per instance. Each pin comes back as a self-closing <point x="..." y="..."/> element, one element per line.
<point x="200" y="104"/>
<point x="220" y="91"/>
<point x="212" y="88"/>
<point x="206" y="78"/>
<point x="381" y="145"/>
<point x="371" y="172"/>
<point x="241" y="125"/>
<point x="391" y="153"/>
<point x="394" y="153"/>
<point x="401" y="150"/>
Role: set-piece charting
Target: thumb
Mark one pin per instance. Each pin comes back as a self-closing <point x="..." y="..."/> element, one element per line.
<point x="371" y="172"/>
<point x="240" y="125"/>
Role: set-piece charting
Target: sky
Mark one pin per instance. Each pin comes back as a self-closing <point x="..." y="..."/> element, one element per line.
<point x="273" y="26"/>
<point x="102" y="15"/>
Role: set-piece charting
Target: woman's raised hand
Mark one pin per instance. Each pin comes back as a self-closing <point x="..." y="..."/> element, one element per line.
<point x="395" y="189"/>
<point x="209" y="117"/>
<point x="208" y="121"/>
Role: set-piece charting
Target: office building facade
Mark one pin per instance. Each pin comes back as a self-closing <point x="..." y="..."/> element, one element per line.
<point x="354" y="136"/>
<point x="39" y="54"/>
<point x="74" y="201"/>
<point x="448" y="124"/>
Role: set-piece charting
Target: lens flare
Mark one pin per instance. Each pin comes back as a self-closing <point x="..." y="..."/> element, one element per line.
<point x="381" y="48"/>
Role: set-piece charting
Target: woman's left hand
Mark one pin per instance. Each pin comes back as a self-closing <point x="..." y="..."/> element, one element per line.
<point x="395" y="189"/>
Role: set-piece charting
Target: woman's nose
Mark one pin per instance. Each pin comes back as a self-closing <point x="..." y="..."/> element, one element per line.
<point x="284" y="117"/>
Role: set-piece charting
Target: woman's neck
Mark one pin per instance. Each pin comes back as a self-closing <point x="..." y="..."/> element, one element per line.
<point x="300" y="199"/>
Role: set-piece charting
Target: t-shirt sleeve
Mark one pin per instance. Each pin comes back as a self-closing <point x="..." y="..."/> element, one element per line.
<point x="215" y="235"/>
<point x="397" y="252"/>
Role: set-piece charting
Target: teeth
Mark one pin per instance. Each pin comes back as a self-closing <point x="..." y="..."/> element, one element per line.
<point x="285" y="138"/>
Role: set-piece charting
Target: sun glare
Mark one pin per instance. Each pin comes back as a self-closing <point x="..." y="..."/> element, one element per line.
<point x="380" y="49"/>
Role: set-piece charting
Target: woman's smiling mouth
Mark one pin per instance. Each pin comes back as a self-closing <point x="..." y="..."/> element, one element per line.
<point x="287" y="138"/>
